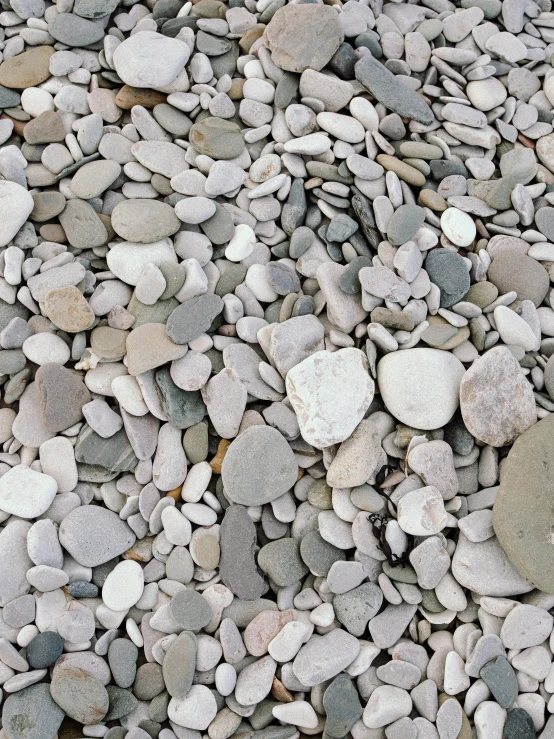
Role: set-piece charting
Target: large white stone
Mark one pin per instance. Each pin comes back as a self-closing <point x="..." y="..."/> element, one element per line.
<point x="16" y="204"/>
<point x="195" y="711"/>
<point x="421" y="387"/>
<point x="123" y="586"/>
<point x="26" y="493"/>
<point x="330" y="392"/>
<point x="148" y="59"/>
<point x="127" y="260"/>
<point x="421" y="512"/>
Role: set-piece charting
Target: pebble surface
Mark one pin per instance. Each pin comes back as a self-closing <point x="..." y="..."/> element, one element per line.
<point x="276" y="369"/>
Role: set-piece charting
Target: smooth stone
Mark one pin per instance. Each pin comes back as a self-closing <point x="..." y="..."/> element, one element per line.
<point x="519" y="521"/>
<point x="323" y="657"/>
<point x="72" y="30"/>
<point x="29" y="69"/>
<point x="115" y="453"/>
<point x="144" y="221"/>
<point x="81" y="224"/>
<point x="237" y="564"/>
<point x="193" y="318"/>
<point x="181" y="407"/>
<point x="281" y="561"/>
<point x="391" y="92"/>
<point x="148" y="347"/>
<point x="94" y="535"/>
<point x="496" y="401"/>
<point x="342" y="707"/>
<point x="178" y="665"/>
<point x="122" y="658"/>
<point x="61" y="395"/>
<point x="17" y="205"/>
<point x="217" y="138"/>
<point x="44" y="649"/>
<point x="68" y="309"/>
<point x="484" y="567"/>
<point x="150" y="60"/>
<point x="358" y="606"/>
<point x="303" y="36"/>
<point x="330" y="392"/>
<point x="31" y="714"/>
<point x="520" y="725"/>
<point x="258" y="467"/>
<point x="26" y="493"/>
<point x="80" y="695"/>
<point x="123" y="586"/>
<point x="196" y="711"/>
<point x="420" y="387"/>
<point x="191" y="611"/>
<point x="406" y="220"/>
<point x="448" y="271"/>
<point x="91" y="180"/>
<point x="501" y="680"/>
<point x="513" y="271"/>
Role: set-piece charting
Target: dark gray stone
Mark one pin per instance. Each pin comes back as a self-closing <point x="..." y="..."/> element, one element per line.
<point x="390" y="91"/>
<point x="281" y="561"/>
<point x="191" y="610"/>
<point x="501" y="680"/>
<point x="82" y="589"/>
<point x="44" y="649"/>
<point x="519" y="725"/>
<point x="237" y="564"/>
<point x="183" y="408"/>
<point x="342" y="706"/>
<point x="349" y="282"/>
<point x="449" y="272"/>
<point x="193" y="318"/>
<point x="341" y="228"/>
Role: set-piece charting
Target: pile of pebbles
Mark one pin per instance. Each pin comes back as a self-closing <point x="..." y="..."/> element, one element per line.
<point x="276" y="369"/>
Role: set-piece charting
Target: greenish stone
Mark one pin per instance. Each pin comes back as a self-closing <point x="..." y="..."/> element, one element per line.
<point x="355" y="608"/>
<point x="122" y="702"/>
<point x="320" y="495"/>
<point x="182" y="408"/>
<point x="114" y="454"/>
<point x="501" y="680"/>
<point x="281" y="561"/>
<point x="342" y="706"/>
<point x="157" y="313"/>
<point x="11" y="361"/>
<point x="520" y="725"/>
<point x="173" y="120"/>
<point x="400" y="573"/>
<point x="195" y="443"/>
<point x="318" y="554"/>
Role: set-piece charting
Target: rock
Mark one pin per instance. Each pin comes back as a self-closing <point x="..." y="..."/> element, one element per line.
<point x="144" y="221"/>
<point x="327" y="406"/>
<point x="150" y="60"/>
<point x="190" y="610"/>
<point x="386" y="704"/>
<point x="115" y="453"/>
<point x="26" y="493"/>
<point x="303" y="37"/>
<point x="485" y="568"/>
<point x="123" y="586"/>
<point x="520" y="522"/>
<point x="448" y="271"/>
<point x="28" y="69"/>
<point x="526" y="626"/>
<point x="323" y="657"/>
<point x="391" y="92"/>
<point x="178" y="665"/>
<point x="358" y="606"/>
<point x="61" y="395"/>
<point x="512" y="270"/>
<point x="237" y="564"/>
<point x="501" y="680"/>
<point x="421" y="512"/>
<point x="196" y="711"/>
<point x="44" y="649"/>
<point x="193" y="317"/>
<point x="342" y="707"/>
<point x="80" y="695"/>
<point x="68" y="309"/>
<point x="258" y="467"/>
<point x="31" y="714"/>
<point x="17" y="204"/>
<point x="217" y="138"/>
<point x="148" y="347"/>
<point x="420" y="387"/>
<point x="281" y="561"/>
<point x="94" y="535"/>
<point x="496" y="401"/>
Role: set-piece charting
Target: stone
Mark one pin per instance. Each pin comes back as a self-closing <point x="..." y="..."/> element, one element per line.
<point x="421" y="512"/>
<point x="44" y="649"/>
<point x="391" y="92"/>
<point x="526" y="626"/>
<point x="258" y="467"/>
<point x="281" y="561"/>
<point x="123" y="586"/>
<point x="342" y="707"/>
<point x="386" y="704"/>
<point x="303" y="37"/>
<point x="144" y="221"/>
<point x="420" y="387"/>
<point x="80" y="695"/>
<point x="68" y="309"/>
<point x="496" y="400"/>
<point x="501" y="680"/>
<point x="448" y="271"/>
<point x="237" y="564"/>
<point x="217" y="138"/>
<point x="178" y="665"/>
<point x="17" y="204"/>
<point x="324" y="657"/>
<point x="94" y="535"/>
<point x="61" y="395"/>
<point x="28" y="69"/>
<point x="193" y="318"/>
<point x="26" y="493"/>
<point x="190" y="610"/>
<point x="150" y="60"/>
<point x="329" y="408"/>
<point x="520" y="522"/>
<point x="196" y="711"/>
<point x="34" y="709"/>
<point x="512" y="270"/>
<point x="358" y="606"/>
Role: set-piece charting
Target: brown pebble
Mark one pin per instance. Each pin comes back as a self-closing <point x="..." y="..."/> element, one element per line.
<point x="68" y="309"/>
<point x="432" y="200"/>
<point x="252" y="35"/>
<point x="409" y="174"/>
<point x="175" y="494"/>
<point x="28" y="69"/>
<point x="53" y="232"/>
<point x="217" y="461"/>
<point x="129" y="96"/>
<point x="279" y="692"/>
<point x="18" y="126"/>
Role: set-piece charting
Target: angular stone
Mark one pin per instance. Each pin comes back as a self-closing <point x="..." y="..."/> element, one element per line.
<point x="496" y="400"/>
